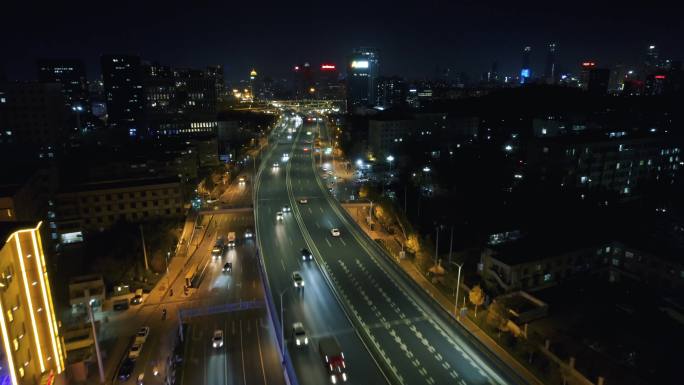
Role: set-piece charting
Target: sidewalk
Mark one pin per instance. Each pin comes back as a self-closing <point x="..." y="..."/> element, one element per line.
<point x="447" y="303"/>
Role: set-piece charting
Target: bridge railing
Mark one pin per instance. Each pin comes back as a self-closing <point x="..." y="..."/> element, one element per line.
<point x="290" y="375"/>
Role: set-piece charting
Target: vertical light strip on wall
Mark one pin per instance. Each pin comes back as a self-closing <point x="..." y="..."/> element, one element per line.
<point x="8" y="349"/>
<point x="30" y="302"/>
<point x="62" y="355"/>
<point x="47" y="305"/>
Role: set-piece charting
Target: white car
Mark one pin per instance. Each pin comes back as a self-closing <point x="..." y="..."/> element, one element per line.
<point x="286" y="209"/>
<point x="335" y="232"/>
<point x="299" y="334"/>
<point x="217" y="339"/>
<point x="135" y="351"/>
<point x="303" y="201"/>
<point x="249" y="233"/>
<point x="276" y="165"/>
<point x="279" y="216"/>
<point x="297" y="279"/>
<point x="141" y="335"/>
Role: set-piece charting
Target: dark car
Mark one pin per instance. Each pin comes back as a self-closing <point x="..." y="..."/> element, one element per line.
<point x="306" y="255"/>
<point x="228" y="267"/>
<point x="126" y="369"/>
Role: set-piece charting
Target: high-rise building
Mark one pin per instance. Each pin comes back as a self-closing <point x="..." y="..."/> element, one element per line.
<point x="652" y="58"/>
<point x="70" y="73"/>
<point x="181" y="101"/>
<point x="32" y="113"/>
<point x="525" y="70"/>
<point x="598" y="81"/>
<point x="328" y="84"/>
<point x="362" y="72"/>
<point x="33" y="349"/>
<point x="493" y="74"/>
<point x="391" y="92"/>
<point x="550" y="70"/>
<point x="303" y="81"/>
<point x="123" y="87"/>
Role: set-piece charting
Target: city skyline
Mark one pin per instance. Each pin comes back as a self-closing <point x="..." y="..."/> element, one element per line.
<point x="412" y="42"/>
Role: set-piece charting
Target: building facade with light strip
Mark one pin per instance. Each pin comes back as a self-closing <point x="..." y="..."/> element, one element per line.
<point x="33" y="348"/>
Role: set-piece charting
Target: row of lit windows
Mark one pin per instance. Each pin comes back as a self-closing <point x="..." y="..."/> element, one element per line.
<point x="203" y="124"/>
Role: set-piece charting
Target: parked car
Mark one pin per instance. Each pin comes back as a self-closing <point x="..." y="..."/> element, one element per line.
<point x="126" y="369"/>
<point x="141" y="335"/>
<point x="134" y="352"/>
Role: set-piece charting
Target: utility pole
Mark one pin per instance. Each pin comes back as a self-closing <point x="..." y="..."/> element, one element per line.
<point x="97" y="344"/>
<point x="451" y="242"/>
<point x="142" y="235"/>
<point x="436" y="245"/>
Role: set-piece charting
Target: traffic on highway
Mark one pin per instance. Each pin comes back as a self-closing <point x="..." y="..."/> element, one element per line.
<point x="387" y="329"/>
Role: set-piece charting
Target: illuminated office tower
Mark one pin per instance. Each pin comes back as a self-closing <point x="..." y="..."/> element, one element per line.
<point x="525" y="70"/>
<point x="33" y="350"/>
<point x="362" y="73"/>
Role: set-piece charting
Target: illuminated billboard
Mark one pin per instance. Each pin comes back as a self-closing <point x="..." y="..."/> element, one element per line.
<point x="328" y="67"/>
<point x="359" y="64"/>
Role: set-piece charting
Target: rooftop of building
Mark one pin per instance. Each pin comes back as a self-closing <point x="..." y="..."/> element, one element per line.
<point x="539" y="246"/>
<point x="7" y="228"/>
<point x="118" y="184"/>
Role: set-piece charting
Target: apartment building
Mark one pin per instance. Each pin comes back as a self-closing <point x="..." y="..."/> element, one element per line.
<point x="96" y="206"/>
<point x="33" y="348"/>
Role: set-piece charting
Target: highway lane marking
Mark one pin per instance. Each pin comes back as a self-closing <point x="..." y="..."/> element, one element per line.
<point x="328" y="242"/>
<point x="289" y="239"/>
<point x="261" y="356"/>
<point x="343" y="242"/>
<point x="318" y="225"/>
<point x="310" y="211"/>
<point x="321" y="208"/>
<point x="282" y="264"/>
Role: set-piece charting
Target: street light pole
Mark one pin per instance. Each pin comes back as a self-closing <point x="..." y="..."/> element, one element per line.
<point x="142" y="235"/>
<point x="458" y="286"/>
<point x="97" y="344"/>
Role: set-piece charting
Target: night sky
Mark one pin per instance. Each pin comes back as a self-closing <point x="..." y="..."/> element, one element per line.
<point x="413" y="39"/>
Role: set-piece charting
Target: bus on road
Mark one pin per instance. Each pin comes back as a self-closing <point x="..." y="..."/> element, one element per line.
<point x="192" y="275"/>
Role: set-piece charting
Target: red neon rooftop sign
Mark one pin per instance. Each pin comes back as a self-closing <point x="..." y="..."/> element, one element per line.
<point x="589" y="64"/>
<point x="327" y="67"/>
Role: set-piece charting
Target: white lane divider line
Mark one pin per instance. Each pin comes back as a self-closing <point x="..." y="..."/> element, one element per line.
<point x="317" y="225"/>
<point x="321" y="208"/>
<point x="310" y="211"/>
<point x="343" y="242"/>
<point x="328" y="242"/>
<point x="282" y="264"/>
